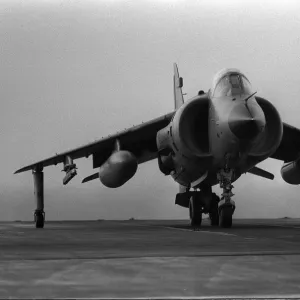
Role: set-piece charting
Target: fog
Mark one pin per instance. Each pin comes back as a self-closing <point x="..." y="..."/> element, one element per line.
<point x="75" y="71"/>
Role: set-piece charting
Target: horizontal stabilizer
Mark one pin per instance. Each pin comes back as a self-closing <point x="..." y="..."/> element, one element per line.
<point x="91" y="177"/>
<point x="262" y="173"/>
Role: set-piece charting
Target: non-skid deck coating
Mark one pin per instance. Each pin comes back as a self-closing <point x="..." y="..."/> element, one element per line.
<point x="149" y="259"/>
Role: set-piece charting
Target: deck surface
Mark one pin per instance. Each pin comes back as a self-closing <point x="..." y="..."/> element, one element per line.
<point x="149" y="259"/>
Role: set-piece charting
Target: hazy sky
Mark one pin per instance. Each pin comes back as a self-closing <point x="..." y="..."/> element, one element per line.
<point x="74" y="71"/>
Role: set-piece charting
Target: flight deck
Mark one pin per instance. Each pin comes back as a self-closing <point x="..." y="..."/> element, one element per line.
<point x="154" y="258"/>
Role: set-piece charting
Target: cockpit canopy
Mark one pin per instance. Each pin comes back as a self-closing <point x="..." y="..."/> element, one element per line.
<point x="230" y="82"/>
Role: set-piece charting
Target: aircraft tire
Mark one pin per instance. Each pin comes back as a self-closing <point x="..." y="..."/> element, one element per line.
<point x="214" y="212"/>
<point x="225" y="218"/>
<point x="214" y="218"/>
<point x="195" y="212"/>
<point x="39" y="221"/>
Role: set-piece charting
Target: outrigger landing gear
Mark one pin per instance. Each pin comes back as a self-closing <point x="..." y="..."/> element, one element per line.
<point x="39" y="214"/>
<point x="226" y="205"/>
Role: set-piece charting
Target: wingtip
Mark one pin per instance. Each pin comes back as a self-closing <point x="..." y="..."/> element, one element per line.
<point x="18" y="171"/>
<point x="28" y="168"/>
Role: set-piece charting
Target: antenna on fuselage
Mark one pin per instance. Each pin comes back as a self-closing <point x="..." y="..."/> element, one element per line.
<point x="246" y="100"/>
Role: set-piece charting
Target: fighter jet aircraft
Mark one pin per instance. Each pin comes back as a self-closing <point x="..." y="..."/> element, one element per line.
<point x="211" y="139"/>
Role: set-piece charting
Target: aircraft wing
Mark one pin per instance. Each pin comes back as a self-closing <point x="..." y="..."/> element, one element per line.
<point x="140" y="140"/>
<point x="289" y="148"/>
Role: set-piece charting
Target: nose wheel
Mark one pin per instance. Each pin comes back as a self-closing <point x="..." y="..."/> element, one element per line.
<point x="225" y="218"/>
<point x="226" y="206"/>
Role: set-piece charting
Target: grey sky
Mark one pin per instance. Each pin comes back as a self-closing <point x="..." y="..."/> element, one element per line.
<point x="74" y="71"/>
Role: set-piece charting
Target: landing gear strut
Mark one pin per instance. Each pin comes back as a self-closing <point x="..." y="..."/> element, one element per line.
<point x="226" y="205"/>
<point x="39" y="214"/>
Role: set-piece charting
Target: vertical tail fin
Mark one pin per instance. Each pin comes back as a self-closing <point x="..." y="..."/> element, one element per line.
<point x="178" y="83"/>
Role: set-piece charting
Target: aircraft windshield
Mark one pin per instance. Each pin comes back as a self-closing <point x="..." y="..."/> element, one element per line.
<point x="232" y="84"/>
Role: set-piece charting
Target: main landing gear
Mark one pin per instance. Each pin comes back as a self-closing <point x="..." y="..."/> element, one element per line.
<point x="203" y="202"/>
<point x="214" y="210"/>
<point x="195" y="209"/>
<point x="220" y="211"/>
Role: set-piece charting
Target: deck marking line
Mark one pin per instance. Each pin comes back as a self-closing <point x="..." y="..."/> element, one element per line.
<point x="201" y="231"/>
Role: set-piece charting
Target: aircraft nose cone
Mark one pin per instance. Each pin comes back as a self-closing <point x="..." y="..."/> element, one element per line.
<point x="242" y="124"/>
<point x="244" y="129"/>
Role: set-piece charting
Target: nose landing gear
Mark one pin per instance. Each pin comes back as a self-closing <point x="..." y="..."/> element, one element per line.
<point x="226" y="206"/>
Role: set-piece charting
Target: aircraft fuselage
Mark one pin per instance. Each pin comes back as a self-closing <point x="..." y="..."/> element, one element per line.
<point x="227" y="128"/>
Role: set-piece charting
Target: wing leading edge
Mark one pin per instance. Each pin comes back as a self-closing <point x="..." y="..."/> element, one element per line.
<point x="140" y="140"/>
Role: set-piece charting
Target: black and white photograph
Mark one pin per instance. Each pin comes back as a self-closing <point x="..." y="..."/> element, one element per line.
<point x="149" y="149"/>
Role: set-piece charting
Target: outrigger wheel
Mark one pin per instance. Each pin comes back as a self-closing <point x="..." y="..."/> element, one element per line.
<point x="195" y="211"/>
<point x="39" y="218"/>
